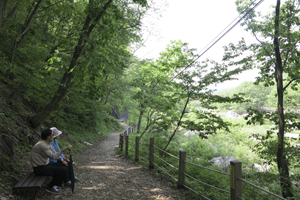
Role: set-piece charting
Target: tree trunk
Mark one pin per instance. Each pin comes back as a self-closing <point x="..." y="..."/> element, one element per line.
<point x="39" y="118"/>
<point x="2" y="11"/>
<point x="27" y="24"/>
<point x="140" y="121"/>
<point x="149" y="123"/>
<point x="65" y="84"/>
<point x="3" y="17"/>
<point x="179" y="122"/>
<point x="283" y="169"/>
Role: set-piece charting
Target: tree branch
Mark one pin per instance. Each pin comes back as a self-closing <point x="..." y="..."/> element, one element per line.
<point x="262" y="44"/>
<point x="288" y="84"/>
<point x="2" y="11"/>
<point x="132" y="25"/>
<point x="8" y="15"/>
<point x="44" y="8"/>
<point x="179" y="122"/>
<point x="66" y="83"/>
<point x="27" y="25"/>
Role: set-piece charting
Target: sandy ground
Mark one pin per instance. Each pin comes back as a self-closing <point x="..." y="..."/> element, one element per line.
<point x="107" y="175"/>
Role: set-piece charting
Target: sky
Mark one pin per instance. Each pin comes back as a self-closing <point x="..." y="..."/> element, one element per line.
<point x="198" y="22"/>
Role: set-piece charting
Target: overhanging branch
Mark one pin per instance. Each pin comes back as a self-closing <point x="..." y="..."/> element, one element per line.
<point x="288" y="84"/>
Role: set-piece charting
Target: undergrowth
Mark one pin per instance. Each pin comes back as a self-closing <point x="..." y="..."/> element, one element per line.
<point x="237" y="143"/>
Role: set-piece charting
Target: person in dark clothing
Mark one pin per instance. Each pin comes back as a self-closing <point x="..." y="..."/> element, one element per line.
<point x="62" y="161"/>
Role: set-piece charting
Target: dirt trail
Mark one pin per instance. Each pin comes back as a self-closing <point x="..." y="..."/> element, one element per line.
<point x="105" y="175"/>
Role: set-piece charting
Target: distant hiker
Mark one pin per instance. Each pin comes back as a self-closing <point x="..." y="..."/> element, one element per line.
<point x="62" y="161"/>
<point x="39" y="159"/>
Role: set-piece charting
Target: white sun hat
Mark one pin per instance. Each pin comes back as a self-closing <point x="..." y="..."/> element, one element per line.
<point x="55" y="132"/>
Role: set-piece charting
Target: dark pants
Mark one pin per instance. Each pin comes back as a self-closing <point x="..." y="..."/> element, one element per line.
<point x="67" y="176"/>
<point x="58" y="173"/>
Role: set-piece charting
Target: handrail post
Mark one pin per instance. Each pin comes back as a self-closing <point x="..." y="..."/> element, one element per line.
<point x="235" y="182"/>
<point x="151" y="152"/>
<point x="137" y="146"/>
<point x="121" y="141"/>
<point x="181" y="176"/>
<point x="126" y="144"/>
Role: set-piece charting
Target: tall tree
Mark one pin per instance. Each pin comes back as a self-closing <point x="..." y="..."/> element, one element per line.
<point x="276" y="54"/>
<point x="89" y="25"/>
<point x="153" y="85"/>
<point x="173" y="78"/>
<point x="6" y="14"/>
<point x="36" y="6"/>
<point x="282" y="162"/>
<point x="95" y="13"/>
<point x="192" y="80"/>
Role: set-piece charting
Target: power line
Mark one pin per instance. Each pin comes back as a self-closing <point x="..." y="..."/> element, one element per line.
<point x="247" y="13"/>
<point x="229" y="25"/>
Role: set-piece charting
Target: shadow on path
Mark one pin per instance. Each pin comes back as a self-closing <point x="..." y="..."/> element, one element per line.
<point x="105" y="175"/>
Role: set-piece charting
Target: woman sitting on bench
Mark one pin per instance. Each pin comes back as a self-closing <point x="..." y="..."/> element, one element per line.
<point x="39" y="160"/>
<point x="62" y="161"/>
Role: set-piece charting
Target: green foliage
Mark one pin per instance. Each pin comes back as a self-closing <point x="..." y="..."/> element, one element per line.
<point x="36" y="51"/>
<point x="82" y="119"/>
<point x="206" y="123"/>
<point x="238" y="143"/>
<point x="256" y="96"/>
<point x="291" y="98"/>
<point x="9" y="165"/>
<point x="275" y="56"/>
<point x="164" y="86"/>
<point x="43" y="46"/>
<point x="267" y="144"/>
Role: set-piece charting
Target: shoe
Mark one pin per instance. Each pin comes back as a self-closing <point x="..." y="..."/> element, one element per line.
<point x="57" y="188"/>
<point x="77" y="179"/>
<point x="67" y="184"/>
<point x="52" y="190"/>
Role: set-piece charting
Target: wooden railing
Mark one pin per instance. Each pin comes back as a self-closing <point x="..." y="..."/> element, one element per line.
<point x="235" y="167"/>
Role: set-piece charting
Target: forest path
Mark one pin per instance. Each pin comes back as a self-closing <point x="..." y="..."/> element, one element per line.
<point x="106" y="175"/>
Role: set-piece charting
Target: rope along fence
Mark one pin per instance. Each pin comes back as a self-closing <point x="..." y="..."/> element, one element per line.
<point x="168" y="164"/>
<point x="235" y="168"/>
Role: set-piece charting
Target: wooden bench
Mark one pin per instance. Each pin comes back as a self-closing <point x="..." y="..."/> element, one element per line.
<point x="29" y="185"/>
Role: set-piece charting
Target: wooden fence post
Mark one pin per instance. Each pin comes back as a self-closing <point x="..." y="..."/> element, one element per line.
<point x="121" y="142"/>
<point x="181" y="176"/>
<point x="126" y="144"/>
<point x="137" y="146"/>
<point x="151" y="152"/>
<point x="235" y="183"/>
<point x="128" y="130"/>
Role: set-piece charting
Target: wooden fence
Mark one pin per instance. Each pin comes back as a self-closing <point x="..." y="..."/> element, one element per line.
<point x="235" y="168"/>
